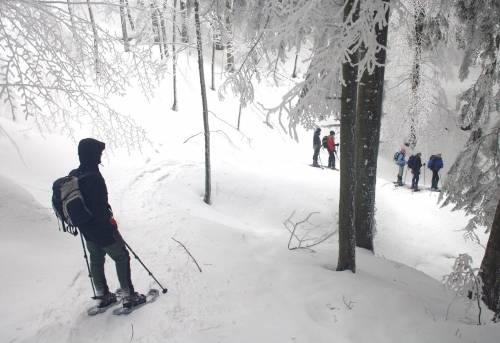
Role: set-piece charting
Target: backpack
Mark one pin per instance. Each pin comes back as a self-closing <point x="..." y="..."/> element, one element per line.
<point x="396" y="156"/>
<point x="411" y="161"/>
<point x="324" y="143"/>
<point x="68" y="203"/>
<point x="430" y="163"/>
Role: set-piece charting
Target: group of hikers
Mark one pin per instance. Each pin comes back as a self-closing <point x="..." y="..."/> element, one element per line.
<point x="414" y="162"/>
<point x="328" y="142"/>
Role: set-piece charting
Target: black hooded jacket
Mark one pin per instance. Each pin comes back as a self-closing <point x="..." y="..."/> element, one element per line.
<point x="93" y="188"/>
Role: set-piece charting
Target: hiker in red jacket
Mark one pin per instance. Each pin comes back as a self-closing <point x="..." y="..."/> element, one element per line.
<point x="331" y="147"/>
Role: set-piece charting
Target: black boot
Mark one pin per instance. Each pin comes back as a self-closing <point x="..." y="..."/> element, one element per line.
<point x="106" y="300"/>
<point x="133" y="300"/>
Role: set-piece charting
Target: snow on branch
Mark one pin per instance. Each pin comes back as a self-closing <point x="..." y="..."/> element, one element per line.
<point x="59" y="63"/>
<point x="319" y="26"/>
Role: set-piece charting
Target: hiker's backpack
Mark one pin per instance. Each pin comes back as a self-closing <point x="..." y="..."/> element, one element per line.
<point x="411" y="161"/>
<point x="324" y="142"/>
<point x="68" y="203"/>
<point x="430" y="163"/>
<point x="396" y="156"/>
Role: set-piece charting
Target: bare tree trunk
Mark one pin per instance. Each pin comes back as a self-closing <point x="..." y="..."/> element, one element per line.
<point x="368" y="120"/>
<point x="347" y="233"/>
<point x="184" y="29"/>
<point x="155" y="22"/>
<point x="126" y="44"/>
<point x="71" y="18"/>
<point x="419" y="16"/>
<point x="229" y="32"/>
<point x="212" y="87"/>
<point x="96" y="39"/>
<point x="239" y="118"/>
<point x="163" y="26"/>
<point x="294" y="73"/>
<point x="174" y="56"/>
<point x="207" y="198"/>
<point x="490" y="267"/>
<point x="129" y="15"/>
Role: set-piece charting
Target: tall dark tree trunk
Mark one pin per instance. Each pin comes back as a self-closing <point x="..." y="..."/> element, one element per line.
<point x="184" y="27"/>
<point x="347" y="233"/>
<point x="174" y="55"/>
<point x="207" y="197"/>
<point x="368" y="119"/>
<point x="490" y="267"/>
<point x="419" y="16"/>
<point x="123" y="20"/>
<point x="229" y="33"/>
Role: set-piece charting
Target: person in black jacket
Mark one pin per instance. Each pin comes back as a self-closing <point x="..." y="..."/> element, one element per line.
<point x="316" y="146"/>
<point x="415" y="164"/>
<point x="101" y="232"/>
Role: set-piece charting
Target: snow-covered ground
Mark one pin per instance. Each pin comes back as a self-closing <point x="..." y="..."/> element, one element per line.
<point x="251" y="288"/>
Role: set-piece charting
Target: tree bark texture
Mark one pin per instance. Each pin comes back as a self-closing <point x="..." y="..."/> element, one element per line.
<point x="490" y="267"/>
<point x="229" y="33"/>
<point x="368" y="120"/>
<point x="347" y="233"/>
<point x="174" y="56"/>
<point x="207" y="197"/>
<point x="123" y="19"/>
<point x="419" y="16"/>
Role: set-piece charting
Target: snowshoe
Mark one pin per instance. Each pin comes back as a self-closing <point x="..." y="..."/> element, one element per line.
<point x="105" y="302"/>
<point x="135" y="301"/>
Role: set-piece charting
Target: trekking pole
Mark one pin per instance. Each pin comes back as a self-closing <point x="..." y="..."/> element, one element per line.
<point x="88" y="266"/>
<point x="163" y="290"/>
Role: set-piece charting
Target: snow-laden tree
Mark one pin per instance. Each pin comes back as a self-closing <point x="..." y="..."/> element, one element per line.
<point x="473" y="182"/>
<point x="59" y="61"/>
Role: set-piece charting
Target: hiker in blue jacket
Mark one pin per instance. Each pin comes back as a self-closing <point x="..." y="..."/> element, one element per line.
<point x="435" y="164"/>
<point x="399" y="159"/>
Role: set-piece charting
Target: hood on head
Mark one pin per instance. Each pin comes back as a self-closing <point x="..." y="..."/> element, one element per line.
<point x="90" y="151"/>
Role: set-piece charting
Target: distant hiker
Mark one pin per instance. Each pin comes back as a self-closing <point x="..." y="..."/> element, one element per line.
<point x="399" y="159"/>
<point x="316" y="146"/>
<point x="415" y="163"/>
<point x="435" y="164"/>
<point x="101" y="232"/>
<point x="331" y="147"/>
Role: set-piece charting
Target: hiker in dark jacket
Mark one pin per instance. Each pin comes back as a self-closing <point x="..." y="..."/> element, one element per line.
<point x="101" y="232"/>
<point x="415" y="163"/>
<point x="316" y="146"/>
<point x="435" y="164"/>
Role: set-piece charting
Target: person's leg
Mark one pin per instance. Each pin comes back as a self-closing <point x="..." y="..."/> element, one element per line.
<point x="400" y="175"/>
<point x="119" y="253"/>
<point x="97" y="258"/>
<point x="315" y="155"/>
<point x="330" y="159"/>
<point x="435" y="179"/>
<point x="417" y="177"/>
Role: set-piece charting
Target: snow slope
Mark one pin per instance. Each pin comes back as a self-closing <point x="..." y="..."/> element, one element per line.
<point x="252" y="288"/>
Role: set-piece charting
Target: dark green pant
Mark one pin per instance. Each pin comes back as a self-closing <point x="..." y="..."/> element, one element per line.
<point x="118" y="253"/>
